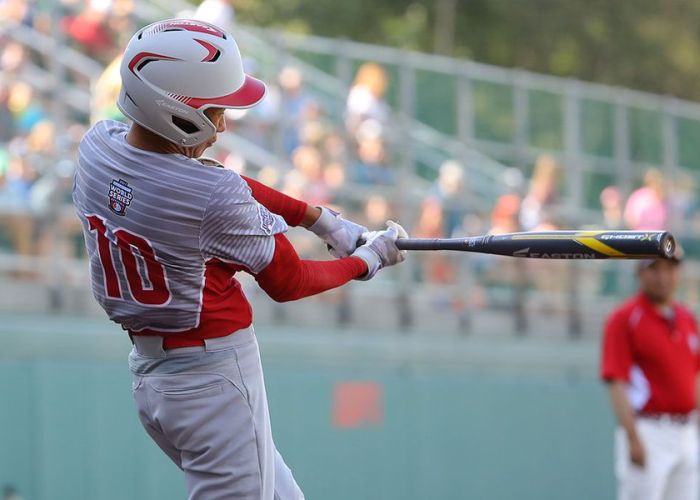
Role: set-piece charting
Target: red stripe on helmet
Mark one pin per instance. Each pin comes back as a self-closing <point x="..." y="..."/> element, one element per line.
<point x="212" y="50"/>
<point x="148" y="55"/>
<point x="189" y="25"/>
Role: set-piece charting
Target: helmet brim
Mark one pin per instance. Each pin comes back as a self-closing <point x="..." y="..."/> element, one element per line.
<point x="249" y="94"/>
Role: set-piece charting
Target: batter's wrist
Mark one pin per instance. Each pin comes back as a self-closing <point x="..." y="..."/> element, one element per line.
<point x="325" y="223"/>
<point x="372" y="260"/>
<point x="312" y="215"/>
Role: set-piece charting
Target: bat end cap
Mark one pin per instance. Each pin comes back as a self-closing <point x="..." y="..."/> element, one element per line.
<point x="669" y="249"/>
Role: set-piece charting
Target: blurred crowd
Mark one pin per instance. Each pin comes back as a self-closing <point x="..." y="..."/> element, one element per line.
<point x="349" y="158"/>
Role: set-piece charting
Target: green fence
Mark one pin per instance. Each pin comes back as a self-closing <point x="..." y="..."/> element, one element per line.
<point x="427" y="427"/>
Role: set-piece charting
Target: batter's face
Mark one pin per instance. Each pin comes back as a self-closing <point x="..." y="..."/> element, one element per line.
<point x="216" y="115"/>
<point x="660" y="280"/>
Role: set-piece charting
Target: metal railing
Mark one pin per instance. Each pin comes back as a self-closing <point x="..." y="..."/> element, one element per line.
<point x="640" y="129"/>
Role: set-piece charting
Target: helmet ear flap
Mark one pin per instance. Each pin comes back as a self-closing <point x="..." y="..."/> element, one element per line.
<point x="166" y="116"/>
<point x="185" y="125"/>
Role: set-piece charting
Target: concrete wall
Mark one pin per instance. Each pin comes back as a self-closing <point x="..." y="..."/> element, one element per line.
<point x="356" y="416"/>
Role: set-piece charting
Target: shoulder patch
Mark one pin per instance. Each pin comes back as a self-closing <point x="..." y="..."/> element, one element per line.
<point x="120" y="196"/>
<point x="267" y="220"/>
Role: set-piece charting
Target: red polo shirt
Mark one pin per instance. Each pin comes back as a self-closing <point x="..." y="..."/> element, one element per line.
<point x="657" y="356"/>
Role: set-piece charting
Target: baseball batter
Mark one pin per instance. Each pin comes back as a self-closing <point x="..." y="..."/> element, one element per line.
<point x="166" y="233"/>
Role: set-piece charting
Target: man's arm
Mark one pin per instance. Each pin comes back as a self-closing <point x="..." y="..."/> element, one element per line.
<point x="616" y="365"/>
<point x="341" y="235"/>
<point x="697" y="395"/>
<point x="625" y="415"/>
<point x="287" y="277"/>
<point x="294" y="212"/>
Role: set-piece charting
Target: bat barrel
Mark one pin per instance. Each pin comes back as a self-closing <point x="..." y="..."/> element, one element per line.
<point x="558" y="244"/>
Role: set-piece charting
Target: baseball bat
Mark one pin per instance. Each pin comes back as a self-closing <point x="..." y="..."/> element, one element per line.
<point x="557" y="244"/>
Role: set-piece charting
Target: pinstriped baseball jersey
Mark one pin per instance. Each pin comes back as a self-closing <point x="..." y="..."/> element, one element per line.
<point x="165" y="234"/>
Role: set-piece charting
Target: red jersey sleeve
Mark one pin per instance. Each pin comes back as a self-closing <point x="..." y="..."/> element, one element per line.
<point x="287" y="277"/>
<point x="616" y="360"/>
<point x="291" y="209"/>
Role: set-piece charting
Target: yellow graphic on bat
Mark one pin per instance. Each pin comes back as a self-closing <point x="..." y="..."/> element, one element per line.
<point x="599" y="246"/>
<point x="586" y="238"/>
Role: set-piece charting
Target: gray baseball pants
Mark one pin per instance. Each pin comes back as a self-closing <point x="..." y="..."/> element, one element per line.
<point x="206" y="408"/>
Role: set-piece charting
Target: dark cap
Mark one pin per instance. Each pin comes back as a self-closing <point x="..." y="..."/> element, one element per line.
<point x="677" y="258"/>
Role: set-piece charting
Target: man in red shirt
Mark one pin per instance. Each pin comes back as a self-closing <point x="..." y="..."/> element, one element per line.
<point x="650" y="362"/>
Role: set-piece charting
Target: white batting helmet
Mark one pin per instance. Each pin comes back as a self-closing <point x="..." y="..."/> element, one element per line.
<point x="175" y="69"/>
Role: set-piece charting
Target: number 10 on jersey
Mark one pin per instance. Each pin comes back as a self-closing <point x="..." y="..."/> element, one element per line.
<point x="149" y="288"/>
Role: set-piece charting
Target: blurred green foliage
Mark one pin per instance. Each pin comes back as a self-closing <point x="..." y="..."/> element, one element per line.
<point x="649" y="45"/>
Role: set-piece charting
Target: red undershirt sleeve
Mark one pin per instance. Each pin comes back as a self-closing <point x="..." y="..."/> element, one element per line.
<point x="287" y="277"/>
<point x="291" y="209"/>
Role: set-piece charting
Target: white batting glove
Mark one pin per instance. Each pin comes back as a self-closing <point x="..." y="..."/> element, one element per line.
<point x="341" y="235"/>
<point x="380" y="250"/>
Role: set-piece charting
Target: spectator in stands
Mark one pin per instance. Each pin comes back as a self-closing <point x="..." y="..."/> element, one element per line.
<point x="436" y="266"/>
<point x="218" y="12"/>
<point x="683" y="205"/>
<point x="120" y="21"/>
<point x="24" y="106"/>
<point x="334" y="148"/>
<point x="503" y="273"/>
<point x="52" y="214"/>
<point x="449" y="189"/>
<point x="16" y="12"/>
<point x="12" y="59"/>
<point x="376" y="210"/>
<point x="366" y="97"/>
<point x="41" y="146"/>
<point x="611" y="203"/>
<point x="371" y="166"/>
<point x="334" y="176"/>
<point x="259" y="124"/>
<point x="430" y="221"/>
<point x="7" y="122"/>
<point x="89" y="29"/>
<point x="536" y="210"/>
<point x="18" y="181"/>
<point x="106" y="92"/>
<point x="278" y="121"/>
<point x="308" y="163"/>
<point x="293" y="103"/>
<point x="504" y="216"/>
<point x="313" y="126"/>
<point x="646" y="208"/>
<point x="650" y="362"/>
<point x="14" y="202"/>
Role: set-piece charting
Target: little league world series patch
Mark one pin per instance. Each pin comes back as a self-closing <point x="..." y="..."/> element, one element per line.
<point x="120" y="196"/>
<point x="267" y="221"/>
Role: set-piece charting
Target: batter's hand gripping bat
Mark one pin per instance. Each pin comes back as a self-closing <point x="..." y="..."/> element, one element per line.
<point x="557" y="244"/>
